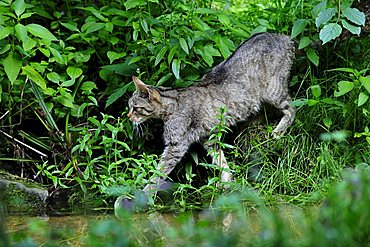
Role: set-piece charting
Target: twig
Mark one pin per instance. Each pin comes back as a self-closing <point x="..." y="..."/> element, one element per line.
<point x="6" y="113"/>
<point x="24" y="144"/>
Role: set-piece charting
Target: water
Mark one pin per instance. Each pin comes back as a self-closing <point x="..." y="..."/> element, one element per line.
<point x="143" y="229"/>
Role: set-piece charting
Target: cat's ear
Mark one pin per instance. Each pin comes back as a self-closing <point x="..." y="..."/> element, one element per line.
<point x="154" y="95"/>
<point x="140" y="86"/>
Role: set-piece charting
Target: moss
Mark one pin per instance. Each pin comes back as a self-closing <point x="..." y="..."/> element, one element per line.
<point x="22" y="195"/>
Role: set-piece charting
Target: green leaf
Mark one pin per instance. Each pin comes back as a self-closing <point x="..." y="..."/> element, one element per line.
<point x="19" y="7"/>
<point x="327" y="122"/>
<point x="298" y="27"/>
<point x="362" y="98"/>
<point x="318" y="8"/>
<point x="365" y="81"/>
<point x="66" y="99"/>
<point x="348" y="70"/>
<point x="71" y="26"/>
<point x="184" y="45"/>
<point x="26" y="15"/>
<point x="176" y="68"/>
<point x="87" y="86"/>
<point x="34" y="76"/>
<point x="129" y="4"/>
<point x="206" y="55"/>
<point x="144" y="25"/>
<point x="312" y="56"/>
<point x="330" y="32"/>
<point x="54" y="77"/>
<point x="74" y="72"/>
<point x="304" y="42"/>
<point x="40" y="31"/>
<point x="21" y="32"/>
<point x="28" y="44"/>
<point x="68" y="83"/>
<point x="171" y="54"/>
<point x="91" y="27"/>
<point x="344" y="87"/>
<point x="225" y="51"/>
<point x="325" y="16"/>
<point x="12" y="66"/>
<point x="224" y="19"/>
<point x="353" y="29"/>
<point x="316" y="91"/>
<point x="4" y="32"/>
<point x="160" y="55"/>
<point x="56" y="55"/>
<point x="5" y="49"/>
<point x="119" y="92"/>
<point x="164" y="79"/>
<point x="355" y="16"/>
<point x="112" y="55"/>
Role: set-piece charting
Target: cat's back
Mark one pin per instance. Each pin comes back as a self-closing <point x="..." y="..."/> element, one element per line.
<point x="260" y="55"/>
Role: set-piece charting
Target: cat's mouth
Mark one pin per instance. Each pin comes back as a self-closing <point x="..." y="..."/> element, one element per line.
<point x="135" y="119"/>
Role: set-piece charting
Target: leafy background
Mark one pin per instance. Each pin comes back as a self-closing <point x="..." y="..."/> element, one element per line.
<point x="65" y="79"/>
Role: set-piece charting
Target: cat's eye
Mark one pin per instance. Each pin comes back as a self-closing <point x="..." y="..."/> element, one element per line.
<point x="142" y="110"/>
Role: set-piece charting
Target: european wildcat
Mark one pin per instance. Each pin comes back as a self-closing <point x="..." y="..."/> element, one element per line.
<point x="255" y="73"/>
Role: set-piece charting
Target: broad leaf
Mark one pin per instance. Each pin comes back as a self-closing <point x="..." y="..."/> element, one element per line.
<point x="71" y="26"/>
<point x="330" y="32"/>
<point x="34" y="76"/>
<point x="355" y="16"/>
<point x="304" y="42"/>
<point x="325" y="16"/>
<point x="91" y="27"/>
<point x="365" y="81"/>
<point x="54" y="77"/>
<point x="298" y="27"/>
<point x="184" y="45"/>
<point x="74" y="72"/>
<point x="66" y="99"/>
<point x="129" y="4"/>
<point x="21" y="32"/>
<point x="19" y="7"/>
<point x="12" y="66"/>
<point x="87" y="86"/>
<point x="316" y="91"/>
<point x="362" y="98"/>
<point x="353" y="29"/>
<point x="318" y="8"/>
<point x="344" y="87"/>
<point x="28" y="44"/>
<point x="112" y="55"/>
<point x="5" y="31"/>
<point x="224" y="19"/>
<point x="116" y="95"/>
<point x="56" y="54"/>
<point x="160" y="55"/>
<point x="40" y="31"/>
<point x="176" y="68"/>
<point x="312" y="56"/>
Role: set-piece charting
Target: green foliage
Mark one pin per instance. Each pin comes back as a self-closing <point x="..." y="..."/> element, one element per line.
<point x="63" y="63"/>
<point x="342" y="220"/>
<point x="327" y="17"/>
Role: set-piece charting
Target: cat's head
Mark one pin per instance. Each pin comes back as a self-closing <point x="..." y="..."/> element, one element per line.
<point x="144" y="103"/>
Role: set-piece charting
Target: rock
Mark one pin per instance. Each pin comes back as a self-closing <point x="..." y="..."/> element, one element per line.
<point x="20" y="195"/>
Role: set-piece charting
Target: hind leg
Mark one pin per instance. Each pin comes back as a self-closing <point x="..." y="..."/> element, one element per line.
<point x="289" y="113"/>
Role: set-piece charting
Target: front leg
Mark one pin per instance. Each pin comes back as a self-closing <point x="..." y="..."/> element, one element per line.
<point x="172" y="155"/>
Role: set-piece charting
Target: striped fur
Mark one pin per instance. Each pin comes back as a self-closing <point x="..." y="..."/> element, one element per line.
<point x="256" y="73"/>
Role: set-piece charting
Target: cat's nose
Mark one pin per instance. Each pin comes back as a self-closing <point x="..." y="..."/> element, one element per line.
<point x="129" y="114"/>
